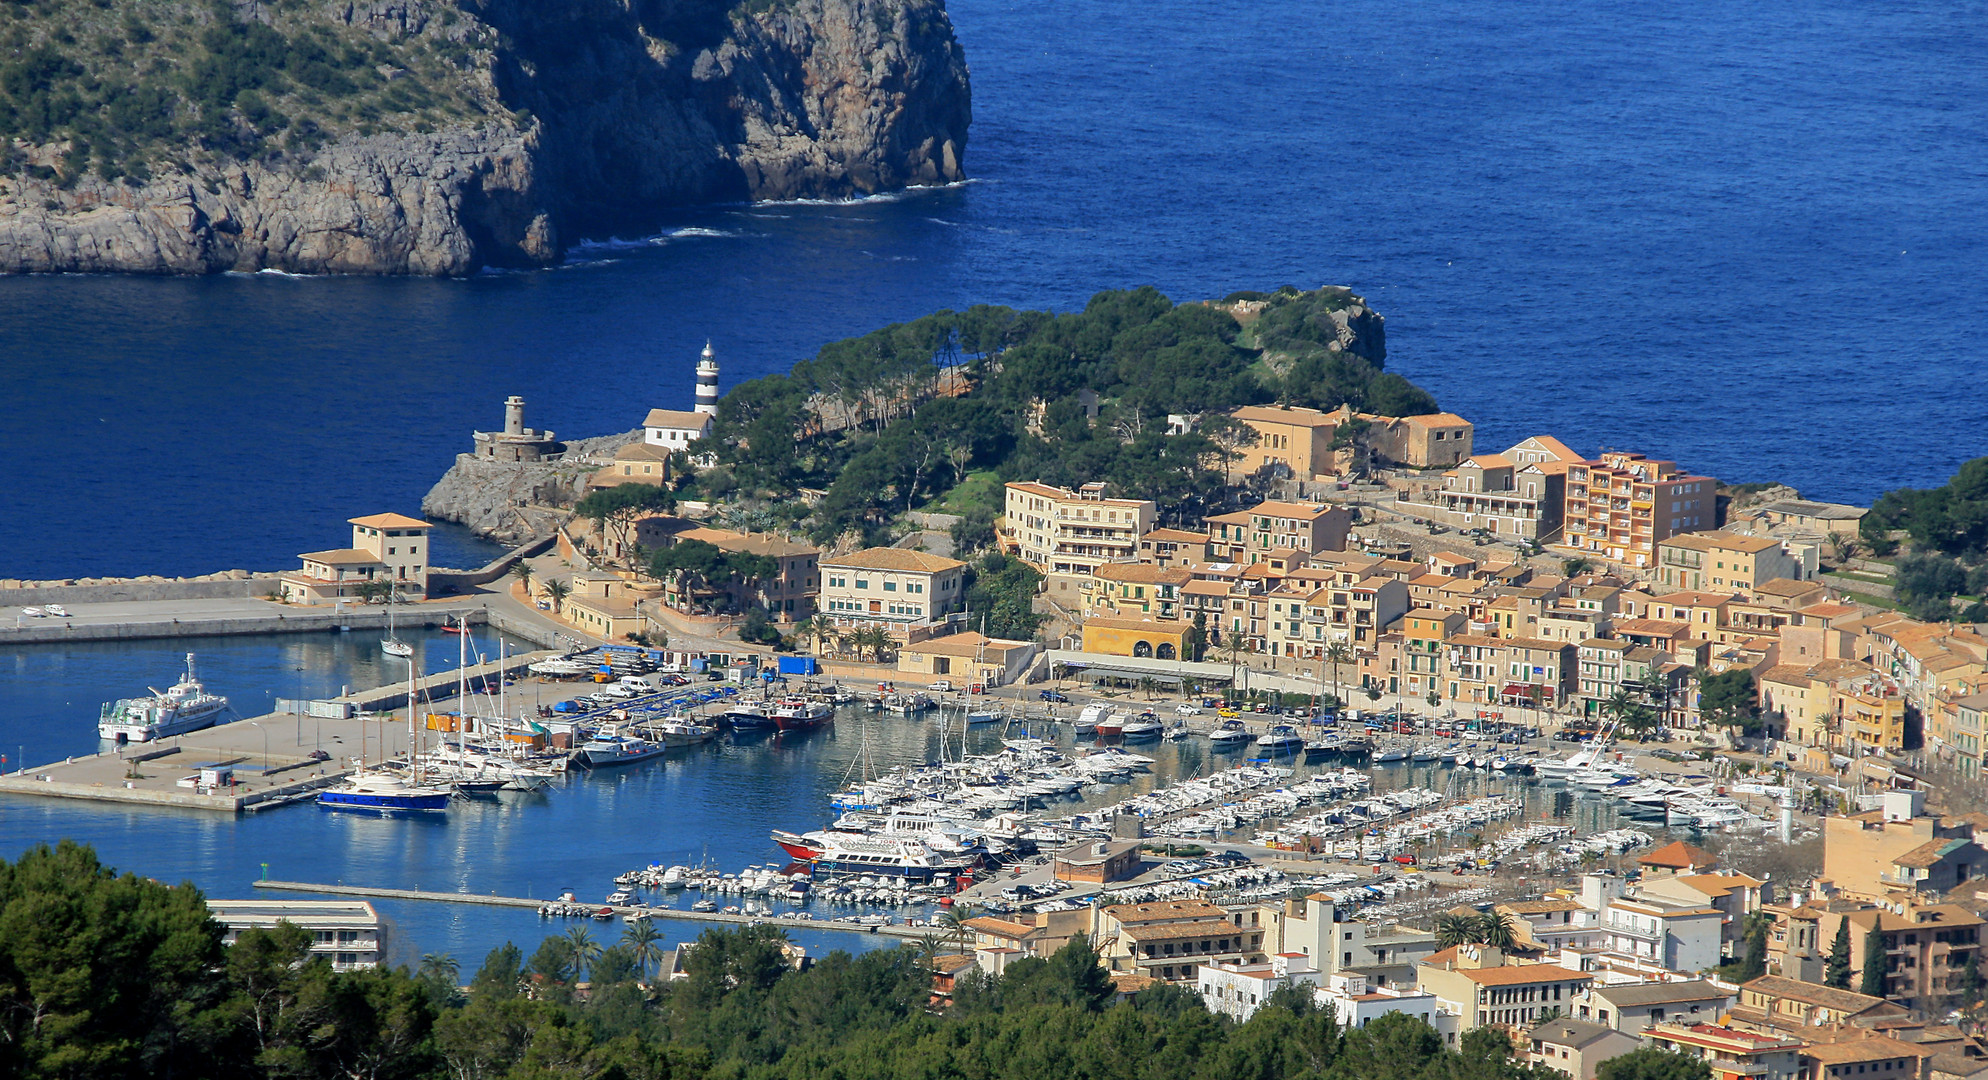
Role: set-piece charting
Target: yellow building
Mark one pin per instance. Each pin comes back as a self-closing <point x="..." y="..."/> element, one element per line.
<point x="385" y="548"/>
<point x="1298" y="438"/>
<point x="1159" y="639"/>
<point x="1872" y="714"/>
<point x="1717" y="560"/>
<point x="1132" y="590"/>
<point x="603" y="604"/>
<point x="966" y="659"/>
<point x="1799" y="699"/>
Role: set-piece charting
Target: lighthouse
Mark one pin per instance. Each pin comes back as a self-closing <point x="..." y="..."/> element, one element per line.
<point x="707" y="381"/>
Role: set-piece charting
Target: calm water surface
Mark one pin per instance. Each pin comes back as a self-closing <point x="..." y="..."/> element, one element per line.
<point x="1746" y="236"/>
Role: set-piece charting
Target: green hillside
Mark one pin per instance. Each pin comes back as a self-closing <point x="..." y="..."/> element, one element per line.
<point x="137" y="87"/>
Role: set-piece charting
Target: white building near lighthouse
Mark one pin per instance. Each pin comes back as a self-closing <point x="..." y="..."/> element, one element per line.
<point x="673" y="429"/>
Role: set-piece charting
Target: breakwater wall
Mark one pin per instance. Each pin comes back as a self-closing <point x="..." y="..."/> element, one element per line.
<point x="278" y="620"/>
<point x="226" y="585"/>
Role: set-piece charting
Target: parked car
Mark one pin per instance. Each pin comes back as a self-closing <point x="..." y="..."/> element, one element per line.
<point x="943" y="686"/>
<point x="1051" y="695"/>
<point x="1185" y="709"/>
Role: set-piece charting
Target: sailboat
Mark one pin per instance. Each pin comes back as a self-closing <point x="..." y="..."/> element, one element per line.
<point x="383" y="792"/>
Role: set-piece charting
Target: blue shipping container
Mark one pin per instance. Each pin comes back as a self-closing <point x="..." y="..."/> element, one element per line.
<point x="798" y="665"/>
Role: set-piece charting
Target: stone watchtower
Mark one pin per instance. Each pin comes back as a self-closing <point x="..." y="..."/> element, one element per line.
<point x="516" y="442"/>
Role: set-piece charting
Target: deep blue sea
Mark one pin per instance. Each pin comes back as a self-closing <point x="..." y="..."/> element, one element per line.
<point x="1746" y="236"/>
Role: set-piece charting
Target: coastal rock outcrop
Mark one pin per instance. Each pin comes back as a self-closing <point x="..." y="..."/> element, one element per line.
<point x="551" y="122"/>
<point x="512" y="502"/>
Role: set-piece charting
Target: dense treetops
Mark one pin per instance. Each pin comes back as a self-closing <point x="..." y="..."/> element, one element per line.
<point x="105" y="976"/>
<point x="1948" y="527"/>
<point x="901" y="418"/>
<point x="136" y="87"/>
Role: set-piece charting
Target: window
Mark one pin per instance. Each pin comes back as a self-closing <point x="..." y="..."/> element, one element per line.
<point x="890" y="586"/>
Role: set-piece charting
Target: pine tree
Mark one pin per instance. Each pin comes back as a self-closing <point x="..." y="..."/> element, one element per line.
<point x="1836" y="969"/>
<point x="1872" y="983"/>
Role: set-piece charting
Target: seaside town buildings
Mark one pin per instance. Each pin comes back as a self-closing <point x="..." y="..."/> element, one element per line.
<point x="895" y="589"/>
<point x="388" y="552"/>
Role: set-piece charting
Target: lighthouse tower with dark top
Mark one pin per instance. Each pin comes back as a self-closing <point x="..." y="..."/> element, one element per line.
<point x="707" y="381"/>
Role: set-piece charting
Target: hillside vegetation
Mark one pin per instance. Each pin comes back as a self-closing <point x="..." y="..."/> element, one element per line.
<point x="107" y="976"/>
<point x="902" y="417"/>
<point x="137" y="86"/>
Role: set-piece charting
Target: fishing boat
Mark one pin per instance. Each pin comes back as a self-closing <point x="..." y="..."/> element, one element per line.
<point x="605" y="751"/>
<point x="749" y="714"/>
<point x="185" y="706"/>
<point x="683" y="731"/>
<point x="801" y="714"/>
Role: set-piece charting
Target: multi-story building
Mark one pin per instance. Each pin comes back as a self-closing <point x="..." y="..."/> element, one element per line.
<point x="1170" y="940"/>
<point x="1898" y="848"/>
<point x="892" y="588"/>
<point x="1774" y="1004"/>
<point x="387" y="549"/>
<point x="1173" y="547"/>
<point x="1681" y="937"/>
<point x="1073" y="532"/>
<point x="1620" y="506"/>
<point x="1716" y="560"/>
<point x="1732" y="1054"/>
<point x="1495" y="493"/>
<point x="788" y="594"/>
<point x="1478" y="983"/>
<point x="1238" y="990"/>
<point x="1135" y="590"/>
<point x="1357" y="1002"/>
<point x="1575" y="1048"/>
<point x="1635" y="1007"/>
<point x="1798" y="700"/>
<point x="1298" y="439"/>
<point x="1927" y="948"/>
<point x="348" y="933"/>
<point x="1248" y="536"/>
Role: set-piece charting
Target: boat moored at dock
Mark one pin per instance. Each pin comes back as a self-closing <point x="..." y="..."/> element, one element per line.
<point x="185" y="706"/>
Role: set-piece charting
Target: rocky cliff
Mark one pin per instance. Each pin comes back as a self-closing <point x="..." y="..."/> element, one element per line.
<point x="512" y="502"/>
<point x="440" y="136"/>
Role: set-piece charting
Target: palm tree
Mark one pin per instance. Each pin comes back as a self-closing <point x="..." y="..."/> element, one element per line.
<point x="1456" y="930"/>
<point x="1844" y="548"/>
<point x="1498" y="929"/>
<point x="1146" y="684"/>
<point x="584" y="949"/>
<point x="819" y="629"/>
<point x="1337" y="653"/>
<point x="523" y="572"/>
<point x="558" y="591"/>
<point x="954" y="919"/>
<point x="440" y="968"/>
<point x="643" y="942"/>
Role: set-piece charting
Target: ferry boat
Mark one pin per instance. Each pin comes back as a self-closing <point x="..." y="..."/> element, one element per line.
<point x="800" y="714"/>
<point x="911" y="861"/>
<point x="187" y="706"/>
<point x="385" y="793"/>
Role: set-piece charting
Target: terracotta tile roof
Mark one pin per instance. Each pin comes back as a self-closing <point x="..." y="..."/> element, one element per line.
<point x="389" y="521"/>
<point x="891" y="559"/>
<point x="1876" y="1048"/>
<point x="1679" y="854"/>
<point x="341" y="557"/>
<point x="1198" y="928"/>
<point x="1828" y="997"/>
<point x="676" y="418"/>
<point x="1523" y="974"/>
<point x="1266" y="414"/>
<point x="1930" y="853"/>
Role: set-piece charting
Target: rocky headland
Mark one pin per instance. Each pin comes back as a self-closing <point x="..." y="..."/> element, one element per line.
<point x="511" y="502"/>
<point x="437" y="137"/>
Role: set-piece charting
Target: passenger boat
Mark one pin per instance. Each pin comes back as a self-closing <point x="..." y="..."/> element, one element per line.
<point x="384" y="792"/>
<point x="1281" y="737"/>
<point x="186" y="706"/>
<point x="749" y="714"/>
<point x="1105" y="720"/>
<point x="1229" y="733"/>
<point x="911" y="861"/>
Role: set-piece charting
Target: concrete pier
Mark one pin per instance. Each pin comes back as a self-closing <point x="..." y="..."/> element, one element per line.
<point x="271" y="756"/>
<point x="622" y="910"/>
<point x="212" y="617"/>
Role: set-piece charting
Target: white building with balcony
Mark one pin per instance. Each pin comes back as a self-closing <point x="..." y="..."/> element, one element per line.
<point x="346" y="932"/>
<point x="1058" y="531"/>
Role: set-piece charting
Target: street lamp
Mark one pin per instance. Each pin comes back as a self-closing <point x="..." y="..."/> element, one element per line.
<point x="265" y="747"/>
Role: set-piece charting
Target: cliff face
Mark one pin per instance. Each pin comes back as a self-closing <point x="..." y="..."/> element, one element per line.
<point x="511" y="502"/>
<point x="584" y="116"/>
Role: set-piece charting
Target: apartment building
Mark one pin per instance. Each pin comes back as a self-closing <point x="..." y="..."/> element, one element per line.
<point x="892" y="588"/>
<point x="1252" y="535"/>
<point x="1731" y="1054"/>
<point x="1170" y="940"/>
<point x="1499" y="494"/>
<point x="1575" y="1048"/>
<point x="1620" y="506"/>
<point x="1680" y="937"/>
<point x="788" y="594"/>
<point x="347" y="933"/>
<point x="1717" y="560"/>
<point x="1135" y="590"/>
<point x="1173" y="547"/>
<point x="1926" y="948"/>
<point x="1072" y="532"/>
<point x="1299" y="439"/>
<point x="1478" y="983"/>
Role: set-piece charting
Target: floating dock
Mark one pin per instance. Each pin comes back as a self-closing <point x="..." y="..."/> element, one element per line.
<point x="623" y="910"/>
